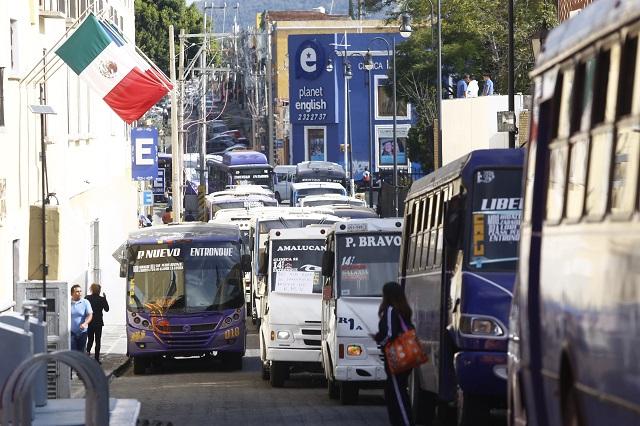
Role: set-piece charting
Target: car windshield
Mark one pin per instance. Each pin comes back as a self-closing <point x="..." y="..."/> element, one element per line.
<point x="495" y="219"/>
<point x="366" y="262"/>
<point x="296" y="266"/>
<point x="319" y="191"/>
<point x="185" y="277"/>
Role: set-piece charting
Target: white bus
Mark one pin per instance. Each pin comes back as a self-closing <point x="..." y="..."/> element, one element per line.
<point x="361" y="256"/>
<point x="291" y="302"/>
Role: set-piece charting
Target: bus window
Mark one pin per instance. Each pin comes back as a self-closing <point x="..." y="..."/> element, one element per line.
<point x="598" y="178"/>
<point x="556" y="182"/>
<point x="601" y="79"/>
<point x="577" y="178"/>
<point x="627" y="79"/>
<point x="426" y="235"/>
<point x="625" y="171"/>
<point x="496" y="205"/>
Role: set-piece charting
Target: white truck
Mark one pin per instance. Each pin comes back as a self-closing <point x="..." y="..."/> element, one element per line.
<point x="291" y="303"/>
<point x="361" y="256"/>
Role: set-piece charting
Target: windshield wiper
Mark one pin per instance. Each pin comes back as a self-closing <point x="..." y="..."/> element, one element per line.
<point x="284" y="222"/>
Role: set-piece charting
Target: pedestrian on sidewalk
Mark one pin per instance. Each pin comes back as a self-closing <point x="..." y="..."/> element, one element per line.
<point x="487" y="90"/>
<point x="472" y="88"/>
<point x="98" y="304"/>
<point x="393" y="312"/>
<point x="81" y="315"/>
<point x="461" y="86"/>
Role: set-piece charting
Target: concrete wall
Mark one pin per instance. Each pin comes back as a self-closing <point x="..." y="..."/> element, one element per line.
<point x="470" y="124"/>
<point x="88" y="160"/>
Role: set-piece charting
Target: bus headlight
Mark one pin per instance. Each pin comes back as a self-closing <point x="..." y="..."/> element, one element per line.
<point x="283" y="335"/>
<point x="354" y="350"/>
<point x="480" y="326"/>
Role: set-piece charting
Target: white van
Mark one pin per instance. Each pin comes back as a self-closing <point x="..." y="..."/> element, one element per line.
<point x="361" y="256"/>
<point x="291" y="303"/>
<point x="284" y="177"/>
<point x="304" y="189"/>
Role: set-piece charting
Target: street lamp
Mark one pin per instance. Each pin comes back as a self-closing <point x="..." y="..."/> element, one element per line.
<point x="405" y="31"/>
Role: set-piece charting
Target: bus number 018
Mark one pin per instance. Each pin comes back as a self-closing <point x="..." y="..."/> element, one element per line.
<point x="232" y="332"/>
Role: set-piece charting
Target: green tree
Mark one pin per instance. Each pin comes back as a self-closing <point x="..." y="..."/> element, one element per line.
<point x="474" y="40"/>
<point x="153" y="18"/>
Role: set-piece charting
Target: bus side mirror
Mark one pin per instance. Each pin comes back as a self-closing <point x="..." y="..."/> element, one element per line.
<point x="263" y="260"/>
<point x="123" y="269"/>
<point x="327" y="263"/>
<point x="245" y="260"/>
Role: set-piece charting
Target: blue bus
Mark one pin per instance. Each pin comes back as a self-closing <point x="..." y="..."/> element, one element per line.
<point x="457" y="264"/>
<point x="185" y="293"/>
<point x="238" y="168"/>
<point x="574" y="348"/>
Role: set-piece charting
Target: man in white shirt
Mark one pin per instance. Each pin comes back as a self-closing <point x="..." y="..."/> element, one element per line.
<point x="472" y="88"/>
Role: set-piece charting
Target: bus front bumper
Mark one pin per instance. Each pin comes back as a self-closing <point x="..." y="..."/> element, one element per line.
<point x="360" y="373"/>
<point x="294" y="355"/>
<point x="482" y="373"/>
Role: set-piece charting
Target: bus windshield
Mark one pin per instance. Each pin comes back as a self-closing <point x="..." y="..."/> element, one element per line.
<point x="242" y="204"/>
<point x="495" y="221"/>
<point x="252" y="176"/>
<point x="296" y="266"/>
<point x="366" y="262"/>
<point x="185" y="278"/>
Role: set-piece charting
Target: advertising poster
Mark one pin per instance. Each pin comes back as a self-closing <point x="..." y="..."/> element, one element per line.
<point x="385" y="148"/>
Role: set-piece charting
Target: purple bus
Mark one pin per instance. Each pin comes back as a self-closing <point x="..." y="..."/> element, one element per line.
<point x="185" y="293"/>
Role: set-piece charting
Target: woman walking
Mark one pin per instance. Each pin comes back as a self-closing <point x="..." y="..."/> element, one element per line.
<point x="98" y="304"/>
<point x="395" y="317"/>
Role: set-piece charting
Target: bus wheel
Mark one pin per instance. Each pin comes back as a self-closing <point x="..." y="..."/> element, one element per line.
<point x="265" y="371"/>
<point x="333" y="389"/>
<point x="423" y="404"/>
<point x="348" y="393"/>
<point x="278" y="374"/>
<point x="140" y="365"/>
<point x="278" y="198"/>
<point x="471" y="410"/>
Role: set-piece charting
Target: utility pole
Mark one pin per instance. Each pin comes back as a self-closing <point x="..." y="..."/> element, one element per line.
<point x="181" y="120"/>
<point x="176" y="163"/>
<point x="203" y="115"/>
<point x="269" y="99"/>
<point x="512" y="134"/>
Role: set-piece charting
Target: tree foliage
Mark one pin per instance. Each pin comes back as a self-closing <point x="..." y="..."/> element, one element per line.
<point x="474" y="41"/>
<point x="153" y="18"/>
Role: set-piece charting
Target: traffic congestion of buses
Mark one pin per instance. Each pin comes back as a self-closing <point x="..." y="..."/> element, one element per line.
<point x="520" y="265"/>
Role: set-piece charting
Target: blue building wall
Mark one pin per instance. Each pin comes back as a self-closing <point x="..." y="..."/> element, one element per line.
<point x="317" y="101"/>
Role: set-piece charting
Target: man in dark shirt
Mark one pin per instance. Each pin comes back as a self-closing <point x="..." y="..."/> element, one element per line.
<point x="98" y="304"/>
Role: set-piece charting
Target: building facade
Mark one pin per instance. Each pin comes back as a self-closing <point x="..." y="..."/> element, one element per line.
<point x="329" y="105"/>
<point x="88" y="155"/>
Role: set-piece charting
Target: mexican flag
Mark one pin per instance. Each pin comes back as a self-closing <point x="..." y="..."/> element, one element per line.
<point x="112" y="67"/>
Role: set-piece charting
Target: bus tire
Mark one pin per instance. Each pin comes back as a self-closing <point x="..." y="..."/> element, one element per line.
<point x="278" y="197"/>
<point x="333" y="389"/>
<point x="348" y="393"/>
<point x="265" y="371"/>
<point x="140" y="365"/>
<point x="423" y="403"/>
<point x="472" y="410"/>
<point x="278" y="374"/>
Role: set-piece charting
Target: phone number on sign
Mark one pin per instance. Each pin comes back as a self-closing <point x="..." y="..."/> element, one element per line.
<point x="311" y="117"/>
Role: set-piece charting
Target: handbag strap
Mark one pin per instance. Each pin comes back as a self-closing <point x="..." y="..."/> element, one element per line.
<point x="402" y="323"/>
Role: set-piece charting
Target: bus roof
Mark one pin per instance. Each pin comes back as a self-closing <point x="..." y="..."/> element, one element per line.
<point x="240" y="158"/>
<point x="465" y="165"/>
<point x="308" y="169"/>
<point x="305" y="185"/>
<point x="593" y="23"/>
<point x="353" y="212"/>
<point x="181" y="231"/>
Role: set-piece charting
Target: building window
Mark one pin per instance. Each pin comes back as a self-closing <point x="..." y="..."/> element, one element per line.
<point x="315" y="143"/>
<point x="384" y="101"/>
<point x="1" y="96"/>
<point x="384" y="145"/>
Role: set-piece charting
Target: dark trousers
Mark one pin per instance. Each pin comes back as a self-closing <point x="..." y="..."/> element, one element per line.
<point x="94" y="332"/>
<point x="78" y="341"/>
<point x="397" y="399"/>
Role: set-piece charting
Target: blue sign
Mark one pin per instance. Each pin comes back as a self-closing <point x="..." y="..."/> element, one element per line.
<point x="144" y="153"/>
<point x="159" y="183"/>
<point x="147" y="198"/>
<point x="309" y="60"/>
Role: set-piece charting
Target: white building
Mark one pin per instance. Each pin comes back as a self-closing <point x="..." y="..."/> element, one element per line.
<point x="88" y="152"/>
<point x="472" y="123"/>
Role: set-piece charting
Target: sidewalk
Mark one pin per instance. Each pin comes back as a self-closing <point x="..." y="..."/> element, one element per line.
<point x="112" y="355"/>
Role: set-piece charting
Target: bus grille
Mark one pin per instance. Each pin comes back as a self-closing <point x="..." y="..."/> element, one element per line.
<point x="310" y="332"/>
<point x="185" y="340"/>
<point x="180" y="328"/>
<point x="311" y="342"/>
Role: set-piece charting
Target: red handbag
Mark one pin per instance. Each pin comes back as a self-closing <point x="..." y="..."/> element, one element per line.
<point x="404" y="352"/>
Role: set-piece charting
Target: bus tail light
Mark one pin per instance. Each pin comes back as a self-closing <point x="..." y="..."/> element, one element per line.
<point x="341" y="351"/>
